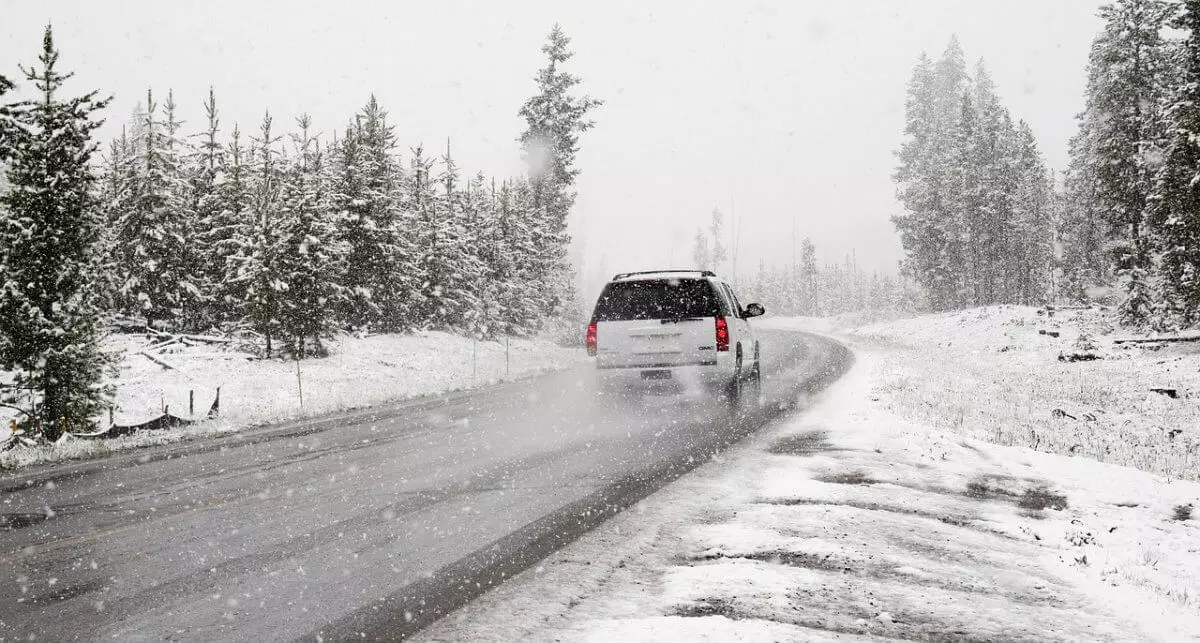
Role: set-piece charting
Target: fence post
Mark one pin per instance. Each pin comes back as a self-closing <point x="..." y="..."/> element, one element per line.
<point x="191" y="402"/>
<point x="299" y="383"/>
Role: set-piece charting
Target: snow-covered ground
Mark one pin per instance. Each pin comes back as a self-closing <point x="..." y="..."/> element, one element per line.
<point x="882" y="512"/>
<point x="359" y="372"/>
<point x="995" y="374"/>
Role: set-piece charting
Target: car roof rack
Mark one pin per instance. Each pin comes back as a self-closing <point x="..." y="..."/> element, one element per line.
<point x="623" y="275"/>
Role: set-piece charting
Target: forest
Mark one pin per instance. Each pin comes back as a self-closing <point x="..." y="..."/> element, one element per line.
<point x="986" y="222"/>
<point x="274" y="231"/>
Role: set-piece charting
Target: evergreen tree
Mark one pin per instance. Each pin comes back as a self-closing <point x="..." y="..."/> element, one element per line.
<point x="1083" y="232"/>
<point x="259" y="251"/>
<point x="931" y="228"/>
<point x="183" y="202"/>
<point x="50" y="321"/>
<point x="113" y="186"/>
<point x="309" y="259"/>
<point x="227" y="231"/>
<point x="445" y="264"/>
<point x="480" y="241"/>
<point x="464" y="270"/>
<point x="204" y="176"/>
<point x="716" y="228"/>
<point x="554" y="118"/>
<point x="531" y="297"/>
<point x="1178" y="211"/>
<point x="1127" y="75"/>
<point x="810" y="304"/>
<point x="154" y="225"/>
<point x="993" y="229"/>
<point x="701" y="255"/>
<point x="976" y="196"/>
<point x="8" y="128"/>
<point x="375" y="222"/>
<point x="1029" y="248"/>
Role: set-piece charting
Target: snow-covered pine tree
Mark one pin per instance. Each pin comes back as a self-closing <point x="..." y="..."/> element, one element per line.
<point x="375" y="225"/>
<point x="204" y="177"/>
<point x="811" y="303"/>
<point x="1083" y="233"/>
<point x="260" y="247"/>
<point x="8" y="129"/>
<point x="1128" y="72"/>
<point x="480" y="238"/>
<point x="991" y="230"/>
<point x="1177" y="213"/>
<point x="531" y="295"/>
<point x="50" y="320"/>
<point x="554" y="119"/>
<point x="716" y="227"/>
<point x="962" y="224"/>
<point x="357" y="229"/>
<point x="114" y="182"/>
<point x="431" y="238"/>
<point x="918" y="182"/>
<point x="154" y="224"/>
<point x="701" y="255"/>
<point x="963" y="172"/>
<point x="229" y="228"/>
<point x="192" y="297"/>
<point x="309" y="259"/>
<point x="463" y="270"/>
<point x="931" y="229"/>
<point x="1029" y="244"/>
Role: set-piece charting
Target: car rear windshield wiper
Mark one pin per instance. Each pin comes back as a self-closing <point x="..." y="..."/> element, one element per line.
<point x="676" y="320"/>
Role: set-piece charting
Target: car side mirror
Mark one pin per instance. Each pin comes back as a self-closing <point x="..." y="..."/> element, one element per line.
<point x="753" y="310"/>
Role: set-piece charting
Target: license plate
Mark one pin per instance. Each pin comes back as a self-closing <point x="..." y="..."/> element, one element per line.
<point x="656" y="375"/>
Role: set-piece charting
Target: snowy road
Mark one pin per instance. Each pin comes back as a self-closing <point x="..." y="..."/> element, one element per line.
<point x="371" y="523"/>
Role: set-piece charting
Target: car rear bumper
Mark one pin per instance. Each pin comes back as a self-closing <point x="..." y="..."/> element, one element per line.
<point x="701" y="375"/>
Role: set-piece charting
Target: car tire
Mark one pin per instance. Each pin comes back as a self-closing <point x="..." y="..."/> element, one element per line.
<point x="735" y="387"/>
<point x="753" y="392"/>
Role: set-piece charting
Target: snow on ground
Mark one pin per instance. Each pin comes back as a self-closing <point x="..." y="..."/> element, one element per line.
<point x="851" y="522"/>
<point x="994" y="373"/>
<point x="359" y="372"/>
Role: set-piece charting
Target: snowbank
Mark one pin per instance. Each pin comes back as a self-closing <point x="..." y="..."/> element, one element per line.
<point x="358" y="373"/>
<point x="851" y="522"/>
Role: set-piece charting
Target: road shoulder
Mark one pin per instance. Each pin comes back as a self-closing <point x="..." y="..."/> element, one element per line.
<point x="847" y="521"/>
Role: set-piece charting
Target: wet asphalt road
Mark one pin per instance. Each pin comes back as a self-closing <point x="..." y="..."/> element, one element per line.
<point x="359" y="525"/>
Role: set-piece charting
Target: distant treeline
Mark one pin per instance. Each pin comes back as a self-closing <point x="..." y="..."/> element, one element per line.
<point x="812" y="290"/>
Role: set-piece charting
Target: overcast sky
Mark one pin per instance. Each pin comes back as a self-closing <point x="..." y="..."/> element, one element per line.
<point x="773" y="111"/>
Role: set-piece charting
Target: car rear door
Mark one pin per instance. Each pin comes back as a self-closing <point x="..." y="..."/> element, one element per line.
<point x="656" y="323"/>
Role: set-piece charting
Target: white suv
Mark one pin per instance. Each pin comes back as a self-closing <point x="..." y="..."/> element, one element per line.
<point x="683" y="328"/>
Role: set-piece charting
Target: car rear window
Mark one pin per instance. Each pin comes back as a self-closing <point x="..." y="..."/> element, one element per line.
<point x="656" y="299"/>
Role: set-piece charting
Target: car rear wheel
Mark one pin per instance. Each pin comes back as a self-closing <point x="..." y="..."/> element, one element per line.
<point x="735" y="388"/>
<point x="752" y="390"/>
<point x="743" y="393"/>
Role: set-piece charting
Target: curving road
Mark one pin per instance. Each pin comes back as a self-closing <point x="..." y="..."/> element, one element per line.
<point x="369" y="524"/>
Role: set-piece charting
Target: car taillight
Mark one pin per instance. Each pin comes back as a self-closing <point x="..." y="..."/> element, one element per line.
<point x="722" y="334"/>
<point x="591" y="339"/>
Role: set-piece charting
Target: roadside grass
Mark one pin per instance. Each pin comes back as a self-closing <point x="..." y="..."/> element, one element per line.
<point x="990" y="374"/>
